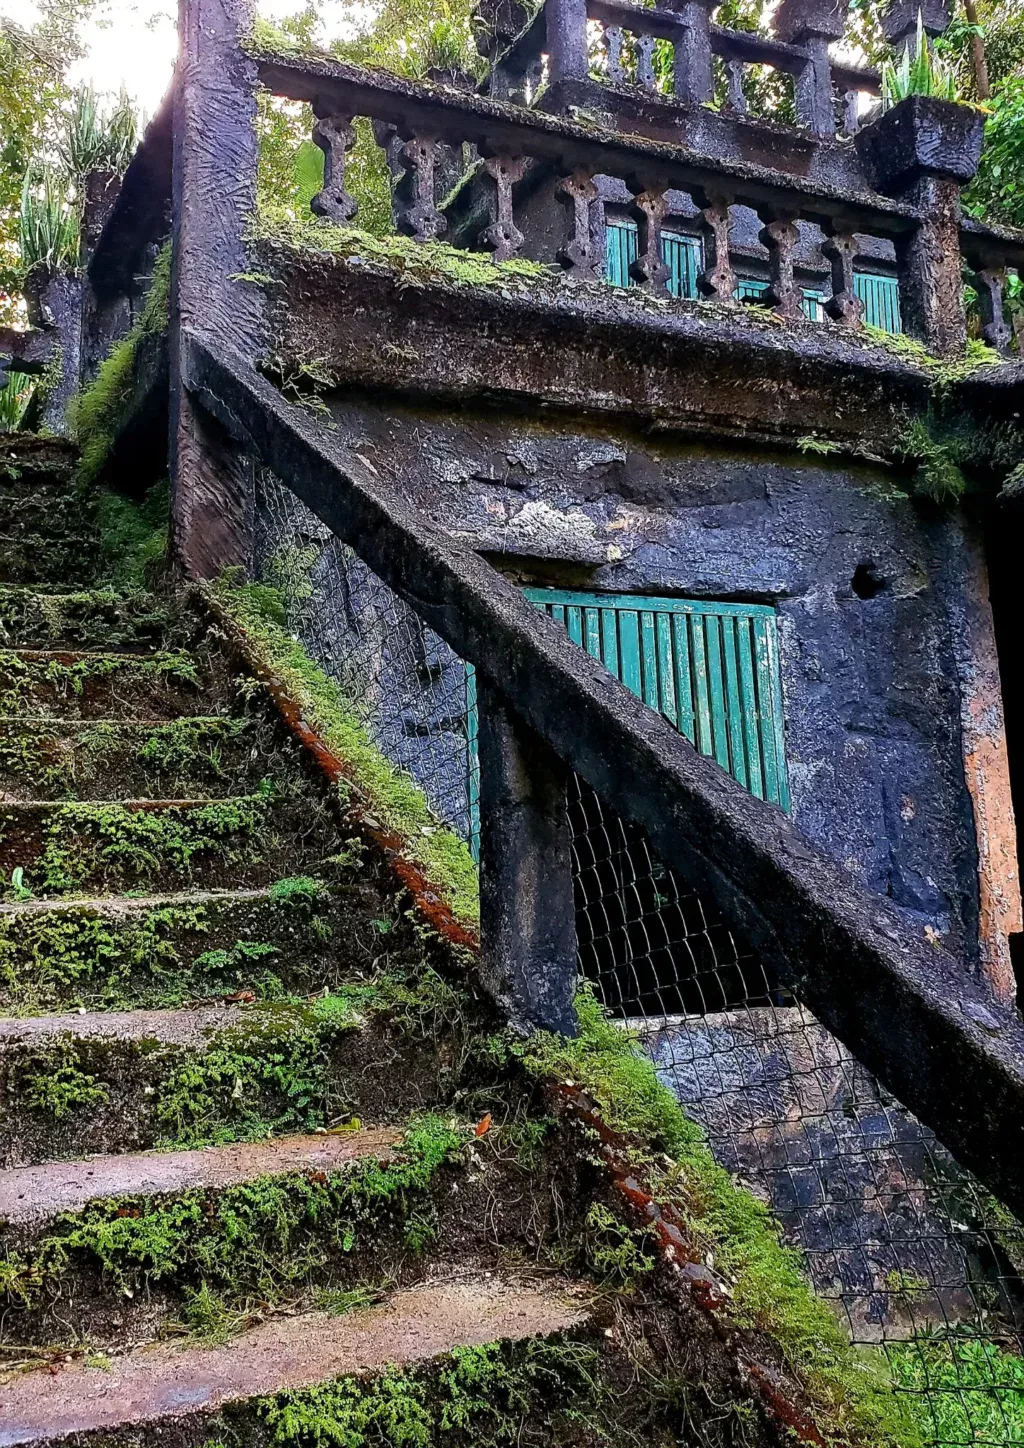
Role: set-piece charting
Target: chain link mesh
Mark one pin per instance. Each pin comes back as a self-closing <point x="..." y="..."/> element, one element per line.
<point x="917" y="1258"/>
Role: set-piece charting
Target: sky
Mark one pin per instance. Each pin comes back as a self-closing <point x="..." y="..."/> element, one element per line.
<point x="132" y="43"/>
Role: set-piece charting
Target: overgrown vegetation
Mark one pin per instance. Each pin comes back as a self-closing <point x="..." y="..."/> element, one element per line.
<point x="168" y="954"/>
<point x="920" y="71"/>
<point x="118" y="847"/>
<point x="98" y="137"/>
<point x="964" y="1389"/>
<point x="417" y="262"/>
<point x="390" y="795"/>
<point x="479" y="1396"/>
<point x="98" y="410"/>
<point x="14" y="399"/>
<point x="48" y="228"/>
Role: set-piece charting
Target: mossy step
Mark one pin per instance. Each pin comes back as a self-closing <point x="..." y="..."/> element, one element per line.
<point x="28" y="454"/>
<point x="92" y="685"/>
<point x="73" y="1085"/>
<point x="97" y="618"/>
<point x="178" y="1393"/>
<point x="213" y="755"/>
<point x="36" y="1195"/>
<point x="40" y="510"/>
<point x="299" y="935"/>
<point x="128" y="1245"/>
<point x="32" y="557"/>
<point x="103" y="846"/>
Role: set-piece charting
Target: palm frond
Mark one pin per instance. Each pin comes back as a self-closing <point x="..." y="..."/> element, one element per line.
<point x="918" y="72"/>
<point x="98" y="139"/>
<point x="48" y="230"/>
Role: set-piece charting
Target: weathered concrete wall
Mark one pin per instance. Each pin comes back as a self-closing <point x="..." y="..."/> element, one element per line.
<point x="857" y="571"/>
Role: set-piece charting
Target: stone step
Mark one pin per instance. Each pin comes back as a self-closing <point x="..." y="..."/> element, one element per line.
<point x="32" y="557"/>
<point x="74" y="1085"/>
<point x="144" y="1395"/>
<point x="37" y="618"/>
<point x="287" y="1220"/>
<point x="34" y="1195"/>
<point x="91" y="685"/>
<point x="66" y="849"/>
<point x="297" y="935"/>
<point x="30" y="506"/>
<point x="28" y="459"/>
<point x="212" y="755"/>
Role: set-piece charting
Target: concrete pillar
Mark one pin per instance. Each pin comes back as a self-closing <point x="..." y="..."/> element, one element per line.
<point x="527" y="914"/>
<point x="214" y="194"/>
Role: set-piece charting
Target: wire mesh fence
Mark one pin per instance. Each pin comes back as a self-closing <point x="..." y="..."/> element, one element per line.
<point x="919" y="1261"/>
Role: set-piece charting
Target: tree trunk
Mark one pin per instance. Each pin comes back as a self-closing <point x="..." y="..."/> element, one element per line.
<point x="979" y="64"/>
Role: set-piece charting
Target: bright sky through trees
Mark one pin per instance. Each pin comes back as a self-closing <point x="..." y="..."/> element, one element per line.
<point x="132" y="43"/>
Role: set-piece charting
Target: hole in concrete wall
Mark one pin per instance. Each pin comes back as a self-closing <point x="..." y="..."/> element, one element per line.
<point x="867" y="582"/>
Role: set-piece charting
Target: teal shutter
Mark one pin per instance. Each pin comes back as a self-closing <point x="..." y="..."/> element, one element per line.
<point x="620" y="249"/>
<point x="712" y="670"/>
<point x="749" y="289"/>
<point x="681" y="252"/>
<point x="881" y="298"/>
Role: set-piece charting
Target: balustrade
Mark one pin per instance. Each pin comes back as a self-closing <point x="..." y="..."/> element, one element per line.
<point x="539" y="188"/>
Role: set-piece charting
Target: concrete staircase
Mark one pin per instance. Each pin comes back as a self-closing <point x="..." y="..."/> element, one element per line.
<point x="239" y="1092"/>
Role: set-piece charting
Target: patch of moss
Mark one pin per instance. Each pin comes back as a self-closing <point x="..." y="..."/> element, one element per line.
<point x="392" y="796"/>
<point x="102" y="617"/>
<point x="942" y="372"/>
<point x="98" y="410"/>
<point x="119" y="847"/>
<point x="54" y="1083"/>
<point x="132" y="535"/>
<point x="417" y="263"/>
<point x="849" y="1391"/>
<point x="475" y="1395"/>
<point x="271" y="1073"/>
<point x="268" y="1074"/>
<point x="264" y="1238"/>
<point x="22" y="678"/>
<point x="83" y="956"/>
<point x="952" y="453"/>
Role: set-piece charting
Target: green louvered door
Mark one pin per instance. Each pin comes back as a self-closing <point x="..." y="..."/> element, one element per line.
<point x="712" y="670"/>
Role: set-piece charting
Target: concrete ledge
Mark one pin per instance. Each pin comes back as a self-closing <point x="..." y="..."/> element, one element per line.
<point x="684" y="367"/>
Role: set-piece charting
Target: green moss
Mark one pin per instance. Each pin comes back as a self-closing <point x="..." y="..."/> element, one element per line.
<point x="131" y="848"/>
<point x="417" y="263"/>
<point x="81" y="955"/>
<point x="389" y="794"/>
<point x="132" y="535"/>
<point x="619" y="1256"/>
<point x="102" y="617"/>
<point x="53" y="1082"/>
<point x="475" y="1395"/>
<point x="850" y="1392"/>
<point x="98" y="410"/>
<point x="953" y="454"/>
<point x="268" y="1074"/>
<point x="265" y="1238"/>
<point x="942" y="372"/>
<point x="22" y="678"/>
